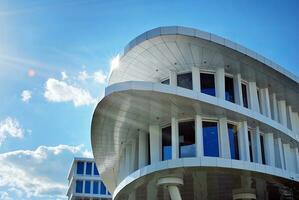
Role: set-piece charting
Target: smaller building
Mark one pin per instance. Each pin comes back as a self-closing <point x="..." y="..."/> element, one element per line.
<point x="85" y="181"/>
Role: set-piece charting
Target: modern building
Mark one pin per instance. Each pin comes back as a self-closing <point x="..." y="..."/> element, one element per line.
<point x="190" y="115"/>
<point x="85" y="182"/>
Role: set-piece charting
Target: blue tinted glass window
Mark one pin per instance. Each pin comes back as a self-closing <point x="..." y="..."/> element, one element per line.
<point x="233" y="141"/>
<point x="79" y="186"/>
<point x="95" y="170"/>
<point x="185" y="80"/>
<point x="263" y="149"/>
<point x="166" y="143"/>
<point x="88" y="168"/>
<point x="109" y="193"/>
<point x="207" y="84"/>
<point x="87" y="187"/>
<point x="187" y="139"/>
<point x="210" y="139"/>
<point x="166" y="82"/>
<point x="80" y="167"/>
<point x="96" y="187"/>
<point x="244" y="95"/>
<point x="229" y="89"/>
<point x="103" y="188"/>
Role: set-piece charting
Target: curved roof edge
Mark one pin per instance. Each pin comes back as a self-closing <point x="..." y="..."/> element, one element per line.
<point x="192" y="32"/>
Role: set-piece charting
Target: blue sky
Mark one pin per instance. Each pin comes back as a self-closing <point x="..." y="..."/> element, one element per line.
<point x="54" y="63"/>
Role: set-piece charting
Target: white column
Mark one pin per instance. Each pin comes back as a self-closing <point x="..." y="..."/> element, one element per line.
<point x="172" y="78"/>
<point x="265" y="102"/>
<point x="220" y="83"/>
<point x="134" y="160"/>
<point x="238" y="89"/>
<point x="274" y="107"/>
<point x="142" y="150"/>
<point x="253" y="98"/>
<point x="243" y="141"/>
<point x="269" y="149"/>
<point x="297" y="159"/>
<point x="282" y="112"/>
<point x="174" y="138"/>
<point x="128" y="155"/>
<point x="224" y="139"/>
<point x="172" y="184"/>
<point x="121" y="168"/>
<point x="287" y="159"/>
<point x="292" y="119"/>
<point x="279" y="153"/>
<point x="296" y="118"/>
<point x="198" y="136"/>
<point x="258" y="149"/>
<point x="196" y="79"/>
<point x="174" y="192"/>
<point x="155" y="143"/>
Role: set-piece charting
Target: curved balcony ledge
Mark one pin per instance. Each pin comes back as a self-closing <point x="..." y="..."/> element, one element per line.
<point x="205" y="162"/>
<point x="272" y="125"/>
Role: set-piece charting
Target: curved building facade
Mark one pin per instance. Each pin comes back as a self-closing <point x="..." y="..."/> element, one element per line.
<point x="190" y="115"/>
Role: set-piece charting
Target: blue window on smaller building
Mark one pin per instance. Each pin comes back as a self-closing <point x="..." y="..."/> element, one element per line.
<point x="210" y="139"/>
<point x="80" y="167"/>
<point x="95" y="170"/>
<point x="207" y="84"/>
<point x="88" y="168"/>
<point x="87" y="187"/>
<point x="103" y="188"/>
<point x="79" y="186"/>
<point x="96" y="187"/>
<point x="166" y="143"/>
<point x="233" y="141"/>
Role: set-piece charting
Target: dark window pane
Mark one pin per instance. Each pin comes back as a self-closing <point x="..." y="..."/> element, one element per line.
<point x="103" y="188"/>
<point x="166" y="143"/>
<point x="207" y="84"/>
<point x="210" y="139"/>
<point x="96" y="187"/>
<point x="88" y="168"/>
<point x="148" y="149"/>
<point x="95" y="170"/>
<point x="233" y="141"/>
<point x="229" y="89"/>
<point x="79" y="186"/>
<point x="185" y="80"/>
<point x="244" y="95"/>
<point x="259" y="99"/>
<point x="87" y="187"/>
<point x="80" y="167"/>
<point x="250" y="146"/>
<point x="166" y="82"/>
<point x="187" y="139"/>
<point x="263" y="149"/>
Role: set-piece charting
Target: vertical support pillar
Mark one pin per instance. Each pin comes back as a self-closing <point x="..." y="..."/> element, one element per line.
<point x="224" y="139"/>
<point x="175" y="138"/>
<point x="265" y="102"/>
<point x="287" y="153"/>
<point x="172" y="78"/>
<point x="220" y="83"/>
<point x="198" y="136"/>
<point x="279" y="153"/>
<point x="142" y="150"/>
<point x="134" y="161"/>
<point x="238" y="89"/>
<point x="297" y="159"/>
<point x="253" y="98"/>
<point x="282" y="112"/>
<point x="196" y="79"/>
<point x="258" y="149"/>
<point x="121" y="168"/>
<point x="292" y="119"/>
<point x="155" y="143"/>
<point x="274" y="108"/>
<point x="243" y="142"/>
<point x="128" y="159"/>
<point x="269" y="149"/>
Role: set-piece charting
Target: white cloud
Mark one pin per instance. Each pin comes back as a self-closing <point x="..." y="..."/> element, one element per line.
<point x="39" y="173"/>
<point x="26" y="95"/>
<point x="10" y="127"/>
<point x="99" y="77"/>
<point x="83" y="75"/>
<point x="4" y="196"/>
<point x="64" y="76"/>
<point x="60" y="91"/>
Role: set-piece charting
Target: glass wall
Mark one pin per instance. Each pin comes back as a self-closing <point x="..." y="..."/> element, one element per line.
<point x="210" y="139"/>
<point x="96" y="187"/>
<point x="95" y="170"/>
<point x="80" y="167"/>
<point x="187" y="139"/>
<point x="185" y="80"/>
<point x="244" y="95"/>
<point x="88" y="168"/>
<point x="103" y="188"/>
<point x="263" y="149"/>
<point x="87" y="187"/>
<point x="166" y="143"/>
<point x="229" y="89"/>
<point x="250" y="146"/>
<point x="79" y="186"/>
<point x="207" y="84"/>
<point x="233" y="141"/>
